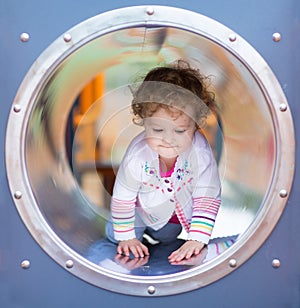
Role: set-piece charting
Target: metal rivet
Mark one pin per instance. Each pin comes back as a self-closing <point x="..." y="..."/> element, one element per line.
<point x="232" y="263"/>
<point x="276" y="263"/>
<point x="283" y="193"/>
<point x="69" y="264"/>
<point x="67" y="37"/>
<point x="18" y="194"/>
<point x="283" y="107"/>
<point x="276" y="37"/>
<point x="17" y="108"/>
<point x="25" y="264"/>
<point x="24" y="37"/>
<point x="151" y="289"/>
<point x="232" y="37"/>
<point x="150" y="10"/>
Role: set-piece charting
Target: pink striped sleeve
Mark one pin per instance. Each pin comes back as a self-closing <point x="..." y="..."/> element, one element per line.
<point x="123" y="213"/>
<point x="205" y="210"/>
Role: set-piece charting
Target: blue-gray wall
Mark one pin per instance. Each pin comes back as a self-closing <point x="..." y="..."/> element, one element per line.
<point x="45" y="284"/>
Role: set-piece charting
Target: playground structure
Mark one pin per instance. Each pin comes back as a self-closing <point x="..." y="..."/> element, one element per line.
<point x="68" y="125"/>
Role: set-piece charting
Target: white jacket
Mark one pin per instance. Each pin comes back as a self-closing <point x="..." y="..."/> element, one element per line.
<point x="193" y="190"/>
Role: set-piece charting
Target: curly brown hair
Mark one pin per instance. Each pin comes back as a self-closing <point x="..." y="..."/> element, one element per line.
<point x="175" y="86"/>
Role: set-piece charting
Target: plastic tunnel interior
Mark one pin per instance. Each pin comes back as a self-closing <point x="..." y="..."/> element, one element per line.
<point x="243" y="147"/>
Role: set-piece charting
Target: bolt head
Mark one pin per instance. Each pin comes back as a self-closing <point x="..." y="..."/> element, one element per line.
<point x="283" y="107"/>
<point x="25" y="264"/>
<point x="24" y="37"/>
<point x="283" y="193"/>
<point x="150" y="10"/>
<point x="18" y="194"/>
<point x="17" y="108"/>
<point x="67" y="37"/>
<point x="276" y="263"/>
<point x="69" y="264"/>
<point x="232" y="263"/>
<point x="232" y="37"/>
<point x="151" y="290"/>
<point x="276" y="37"/>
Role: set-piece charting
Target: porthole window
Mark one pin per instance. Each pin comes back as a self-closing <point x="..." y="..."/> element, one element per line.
<point x="70" y="124"/>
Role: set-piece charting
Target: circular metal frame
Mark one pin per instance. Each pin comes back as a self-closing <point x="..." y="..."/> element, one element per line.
<point x="25" y="200"/>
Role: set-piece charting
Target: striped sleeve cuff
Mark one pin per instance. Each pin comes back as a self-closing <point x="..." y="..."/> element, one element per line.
<point x="123" y="218"/>
<point x="205" y="210"/>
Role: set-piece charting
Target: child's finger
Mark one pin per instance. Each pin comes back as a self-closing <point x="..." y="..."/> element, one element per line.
<point x="119" y="250"/>
<point x="138" y="252"/>
<point x="176" y="256"/>
<point x="188" y="254"/>
<point x="145" y="250"/>
<point x="172" y="255"/>
<point x="126" y="251"/>
<point x="134" y="251"/>
<point x="142" y="250"/>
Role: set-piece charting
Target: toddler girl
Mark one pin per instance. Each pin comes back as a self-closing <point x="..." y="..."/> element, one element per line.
<point x="168" y="178"/>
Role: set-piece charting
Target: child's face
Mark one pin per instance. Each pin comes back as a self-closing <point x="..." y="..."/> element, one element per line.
<point x="169" y="134"/>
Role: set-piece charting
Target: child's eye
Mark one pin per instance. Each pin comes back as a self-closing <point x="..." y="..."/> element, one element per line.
<point x="157" y="130"/>
<point x="180" y="131"/>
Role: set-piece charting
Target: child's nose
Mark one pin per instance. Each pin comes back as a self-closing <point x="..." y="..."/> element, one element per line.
<point x="168" y="137"/>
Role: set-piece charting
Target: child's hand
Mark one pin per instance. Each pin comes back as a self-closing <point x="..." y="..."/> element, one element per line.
<point x="186" y="251"/>
<point x="130" y="264"/>
<point x="133" y="246"/>
<point x="194" y="259"/>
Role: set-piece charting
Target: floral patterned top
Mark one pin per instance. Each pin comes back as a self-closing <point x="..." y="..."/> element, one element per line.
<point x="192" y="191"/>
